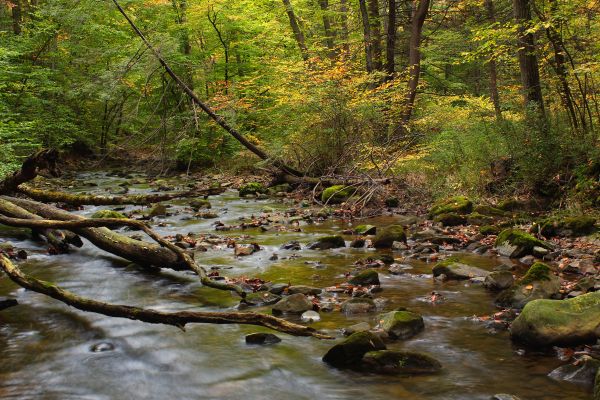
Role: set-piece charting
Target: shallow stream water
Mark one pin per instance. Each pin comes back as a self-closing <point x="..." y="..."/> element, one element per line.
<point x="46" y="346"/>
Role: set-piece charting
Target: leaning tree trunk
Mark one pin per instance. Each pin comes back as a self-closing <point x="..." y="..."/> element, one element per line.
<point x="298" y="35"/>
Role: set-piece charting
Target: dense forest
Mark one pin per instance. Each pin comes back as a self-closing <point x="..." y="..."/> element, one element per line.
<point x="407" y="191"/>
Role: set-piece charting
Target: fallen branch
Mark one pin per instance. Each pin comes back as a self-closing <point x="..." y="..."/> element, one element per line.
<point x="178" y="319"/>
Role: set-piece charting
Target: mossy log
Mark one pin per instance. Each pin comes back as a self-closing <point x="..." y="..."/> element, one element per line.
<point x="178" y="319"/>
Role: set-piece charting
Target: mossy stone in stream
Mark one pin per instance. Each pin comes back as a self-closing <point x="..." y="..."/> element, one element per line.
<point x="457" y="204"/>
<point x="365" y="278"/>
<point x="399" y="363"/>
<point x="108" y="214"/>
<point x="350" y="352"/>
<point x="328" y="242"/>
<point x="538" y="283"/>
<point x="386" y="237"/>
<point x="401" y="324"/>
<point x="197" y="204"/>
<point x="366" y="229"/>
<point x="159" y="210"/>
<point x="568" y="226"/>
<point x="253" y="188"/>
<point x="559" y="322"/>
<point x="454" y="270"/>
<point x="337" y="194"/>
<point x="515" y="243"/>
<point x="450" y="219"/>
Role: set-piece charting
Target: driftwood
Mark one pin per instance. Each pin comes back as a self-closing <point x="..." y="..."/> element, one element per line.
<point x="178" y="319"/>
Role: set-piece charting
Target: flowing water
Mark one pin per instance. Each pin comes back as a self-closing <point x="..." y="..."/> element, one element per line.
<point x="47" y="348"/>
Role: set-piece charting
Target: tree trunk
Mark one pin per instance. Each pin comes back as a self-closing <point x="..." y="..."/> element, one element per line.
<point x="528" y="63"/>
<point x="298" y="35"/>
<point x="414" y="58"/>
<point x="391" y="38"/>
<point x="367" y="35"/>
<point x="224" y="44"/>
<point x="495" y="96"/>
<point x="375" y="24"/>
<point x="344" y="24"/>
<point x="329" y="36"/>
<point x="17" y="17"/>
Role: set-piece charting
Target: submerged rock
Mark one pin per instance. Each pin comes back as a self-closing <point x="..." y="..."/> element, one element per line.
<point x="159" y="210"/>
<point x="515" y="243"/>
<point x="293" y="304"/>
<point x="262" y="338"/>
<point x="197" y="204"/>
<point x="365" y="278"/>
<point x="559" y="322"/>
<point x="358" y="305"/>
<point x="399" y="362"/>
<point x="454" y="270"/>
<point x="401" y="324"/>
<point x="328" y="242"/>
<point x="538" y="283"/>
<point x="261" y="299"/>
<point x="350" y="352"/>
<point x="386" y="237"/>
<point x="582" y="372"/>
<point x="499" y="280"/>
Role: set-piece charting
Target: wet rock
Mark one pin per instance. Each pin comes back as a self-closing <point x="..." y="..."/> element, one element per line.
<point x="197" y="204"/>
<point x="527" y="260"/>
<point x="454" y="270"/>
<point x="538" y="283"/>
<point x="108" y="214"/>
<point x="337" y="194"/>
<point x="499" y="280"/>
<point x="260" y="299"/>
<point x="514" y="243"/>
<point x="399" y="246"/>
<point x="365" y="278"/>
<point x="102" y="347"/>
<point x="504" y="267"/>
<point x="398" y="269"/>
<point x="278" y="288"/>
<point x="358" y="243"/>
<point x="386" y="237"/>
<point x="365" y="229"/>
<point x="360" y="327"/>
<point x="489" y="230"/>
<point x="245" y="250"/>
<point x="251" y="188"/>
<point x="559" y="322"/>
<point x="540" y="252"/>
<point x="350" y="352"/>
<point x="310" y="316"/>
<point x="293" y="304"/>
<point x="306" y="290"/>
<point x="450" y="219"/>
<point x="401" y="324"/>
<point x="328" y="242"/>
<point x="399" y="363"/>
<point x="458" y="205"/>
<point x="569" y="226"/>
<point x="159" y="210"/>
<point x="262" y="338"/>
<point x="582" y="372"/>
<point x="293" y="245"/>
<point x="359" y="305"/>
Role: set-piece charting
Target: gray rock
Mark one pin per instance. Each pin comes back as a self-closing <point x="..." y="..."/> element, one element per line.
<point x="294" y="304"/>
<point x="358" y="305"/>
<point x="350" y="352"/>
<point x="401" y="324"/>
<point x="262" y="338"/>
<point x="365" y="278"/>
<point x="582" y="372"/>
<point x="278" y="288"/>
<point x="527" y="260"/>
<point x="399" y="363"/>
<point x="310" y="316"/>
<point x="307" y="290"/>
<point x="457" y="271"/>
<point x="499" y="280"/>
<point x="328" y="242"/>
<point x="360" y="327"/>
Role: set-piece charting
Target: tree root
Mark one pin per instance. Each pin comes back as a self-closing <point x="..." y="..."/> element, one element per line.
<point x="178" y="319"/>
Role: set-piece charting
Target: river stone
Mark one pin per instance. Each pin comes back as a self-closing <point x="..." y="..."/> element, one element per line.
<point x="386" y="237"/>
<point x="360" y="327"/>
<point x="278" y="288"/>
<point x="366" y="229"/>
<point x="582" y="372"/>
<point x="307" y="290"/>
<point x="197" y="204"/>
<point x="514" y="243"/>
<point x="310" y="316"/>
<point x="328" y="242"/>
<point x="262" y="338"/>
<point x="499" y="280"/>
<point x="365" y="278"/>
<point x="244" y="250"/>
<point x="294" y="304"/>
<point x="559" y="322"/>
<point x="293" y="245"/>
<point x="350" y="352"/>
<point x="358" y="305"/>
<point x="401" y="324"/>
<point x="261" y="299"/>
<point x="399" y="362"/>
<point x="102" y="347"/>
<point x="159" y="210"/>
<point x="358" y="243"/>
<point x="450" y="219"/>
<point x="454" y="270"/>
<point x="538" y="283"/>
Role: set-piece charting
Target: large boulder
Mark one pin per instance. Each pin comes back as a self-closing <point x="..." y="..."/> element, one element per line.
<point x="251" y="188"/>
<point x="337" y="194"/>
<point x="538" y="283"/>
<point x="454" y="270"/>
<point x="328" y="242"/>
<point x="515" y="243"/>
<point x="457" y="205"/>
<point x="350" y="352"/>
<point x="401" y="324"/>
<point x="386" y="237"/>
<point x="400" y="363"/>
<point x="559" y="322"/>
<point x="568" y="226"/>
<point x="365" y="278"/>
<point x="293" y="304"/>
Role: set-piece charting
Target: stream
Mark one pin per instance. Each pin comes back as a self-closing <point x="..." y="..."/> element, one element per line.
<point x="51" y="351"/>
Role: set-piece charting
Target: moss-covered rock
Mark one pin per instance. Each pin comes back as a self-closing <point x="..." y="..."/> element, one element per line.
<point x="455" y="270"/>
<point x="108" y="214"/>
<point x="293" y="304"/>
<point x="253" y="188"/>
<point x="569" y="226"/>
<point x="337" y="194"/>
<point x="401" y="324"/>
<point x="457" y="204"/>
<point x="197" y="204"/>
<point x="499" y="280"/>
<point x="489" y="211"/>
<point x="350" y="352"/>
<point x="387" y="236"/>
<point x="399" y="363"/>
<point x="450" y="219"/>
<point x="538" y="283"/>
<point x="366" y="229"/>
<point x="559" y="322"/>
<point x="510" y="205"/>
<point x="159" y="210"/>
<point x="479" y="219"/>
<point x="365" y="278"/>
<point x="515" y="243"/>
<point x="489" y="230"/>
<point x="328" y="242"/>
<point x="282" y="188"/>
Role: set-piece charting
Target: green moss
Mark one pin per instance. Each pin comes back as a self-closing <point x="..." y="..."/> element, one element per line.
<point x="489" y="210"/>
<point x="450" y="219"/>
<point x="337" y="194"/>
<point x="366" y="229"/>
<point x="479" y="219"/>
<point x="572" y="226"/>
<point x="159" y="210"/>
<point x="251" y="188"/>
<point x="387" y="236"/>
<point x="457" y="204"/>
<point x="447" y="262"/>
<point x="284" y="187"/>
<point x="519" y="238"/>
<point x="537" y="272"/>
<point x="365" y="278"/>
<point x="489" y="230"/>
<point x="108" y="214"/>
<point x="510" y="205"/>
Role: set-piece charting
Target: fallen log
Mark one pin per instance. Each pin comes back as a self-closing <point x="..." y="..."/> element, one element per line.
<point x="178" y="319"/>
<point x="48" y="196"/>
